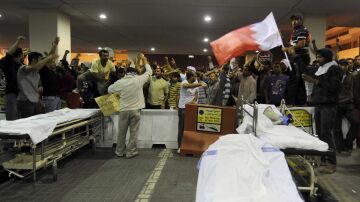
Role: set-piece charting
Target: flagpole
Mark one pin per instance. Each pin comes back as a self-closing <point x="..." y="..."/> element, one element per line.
<point x="282" y="43"/>
<point x="286" y="56"/>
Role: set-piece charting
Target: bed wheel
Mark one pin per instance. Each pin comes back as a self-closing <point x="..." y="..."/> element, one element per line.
<point x="12" y="177"/>
<point x="54" y="171"/>
<point x="312" y="199"/>
<point x="93" y="146"/>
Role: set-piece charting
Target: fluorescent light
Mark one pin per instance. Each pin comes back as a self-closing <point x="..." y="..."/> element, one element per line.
<point x="0" y="15"/>
<point x="102" y="16"/>
<point x="99" y="48"/>
<point x="206" y="39"/>
<point x="205" y="50"/>
<point x="152" y="49"/>
<point x="191" y="56"/>
<point x="207" y="18"/>
<point x="257" y="51"/>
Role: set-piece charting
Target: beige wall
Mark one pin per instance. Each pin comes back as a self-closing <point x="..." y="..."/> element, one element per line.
<point x="64" y="32"/>
<point x="317" y="27"/>
<point x="44" y="26"/>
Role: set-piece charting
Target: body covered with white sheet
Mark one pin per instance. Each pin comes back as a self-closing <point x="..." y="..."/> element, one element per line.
<point x="242" y="168"/>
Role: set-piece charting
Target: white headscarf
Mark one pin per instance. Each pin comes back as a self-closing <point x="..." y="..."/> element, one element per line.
<point x="324" y="68"/>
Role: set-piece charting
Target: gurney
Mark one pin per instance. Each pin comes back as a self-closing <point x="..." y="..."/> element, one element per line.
<point x="50" y="137"/>
<point x="302" y="149"/>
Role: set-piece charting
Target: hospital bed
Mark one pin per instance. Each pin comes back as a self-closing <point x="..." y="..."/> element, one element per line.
<point x="300" y="160"/>
<point x="73" y="130"/>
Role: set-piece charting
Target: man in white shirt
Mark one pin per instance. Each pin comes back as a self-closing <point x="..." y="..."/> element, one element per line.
<point x="132" y="101"/>
<point x="188" y="94"/>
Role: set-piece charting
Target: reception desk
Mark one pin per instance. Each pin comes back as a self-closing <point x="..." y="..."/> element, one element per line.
<point x="156" y="127"/>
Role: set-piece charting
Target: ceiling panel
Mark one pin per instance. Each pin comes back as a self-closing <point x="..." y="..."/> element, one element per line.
<point x="172" y="26"/>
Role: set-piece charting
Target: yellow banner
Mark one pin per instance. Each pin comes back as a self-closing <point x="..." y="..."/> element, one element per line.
<point x="108" y="104"/>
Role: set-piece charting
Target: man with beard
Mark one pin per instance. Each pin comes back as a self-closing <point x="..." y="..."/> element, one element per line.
<point x="158" y="91"/>
<point x="327" y="83"/>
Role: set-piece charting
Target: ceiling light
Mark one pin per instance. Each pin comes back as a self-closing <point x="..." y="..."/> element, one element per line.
<point x="206" y="39"/>
<point x="191" y="56"/>
<point x="102" y="16"/>
<point x="205" y="50"/>
<point x="0" y="15"/>
<point x="257" y="51"/>
<point x="207" y="18"/>
<point x="99" y="48"/>
<point x="152" y="49"/>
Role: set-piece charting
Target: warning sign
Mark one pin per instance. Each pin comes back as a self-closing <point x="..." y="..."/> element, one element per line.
<point x="209" y="119"/>
<point x="303" y="116"/>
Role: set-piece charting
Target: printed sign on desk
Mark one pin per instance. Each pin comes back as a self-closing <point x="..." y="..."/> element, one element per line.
<point x="209" y="119"/>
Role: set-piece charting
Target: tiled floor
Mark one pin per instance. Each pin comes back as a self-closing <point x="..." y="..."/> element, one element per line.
<point x="104" y="177"/>
<point x="345" y="182"/>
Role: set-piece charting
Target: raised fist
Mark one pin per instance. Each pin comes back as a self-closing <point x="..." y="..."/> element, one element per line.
<point x="56" y="40"/>
<point x="21" y="38"/>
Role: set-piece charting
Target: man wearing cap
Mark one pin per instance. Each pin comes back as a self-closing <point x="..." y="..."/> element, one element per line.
<point x="325" y="96"/>
<point x="299" y="51"/>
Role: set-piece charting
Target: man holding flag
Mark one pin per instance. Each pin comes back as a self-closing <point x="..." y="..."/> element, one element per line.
<point x="299" y="51"/>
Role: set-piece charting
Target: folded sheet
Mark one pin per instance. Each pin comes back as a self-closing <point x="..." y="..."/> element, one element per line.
<point x="281" y="136"/>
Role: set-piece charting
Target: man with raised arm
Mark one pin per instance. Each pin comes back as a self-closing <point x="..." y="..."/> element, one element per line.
<point x="130" y="89"/>
<point x="28" y="79"/>
<point x="10" y="65"/>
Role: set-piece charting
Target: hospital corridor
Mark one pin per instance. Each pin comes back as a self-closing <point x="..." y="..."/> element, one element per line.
<point x="179" y="101"/>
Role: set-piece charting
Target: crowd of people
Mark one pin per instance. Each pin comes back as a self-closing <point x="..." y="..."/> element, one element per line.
<point x="330" y="85"/>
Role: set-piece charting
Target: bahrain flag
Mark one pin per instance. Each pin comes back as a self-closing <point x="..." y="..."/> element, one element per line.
<point x="263" y="35"/>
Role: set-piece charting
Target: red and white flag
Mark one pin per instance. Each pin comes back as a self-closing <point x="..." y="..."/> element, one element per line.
<point x="263" y="35"/>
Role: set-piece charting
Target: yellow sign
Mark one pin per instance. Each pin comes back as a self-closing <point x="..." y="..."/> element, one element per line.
<point x="108" y="104"/>
<point x="209" y="115"/>
<point x="303" y="116"/>
<point x="2" y="96"/>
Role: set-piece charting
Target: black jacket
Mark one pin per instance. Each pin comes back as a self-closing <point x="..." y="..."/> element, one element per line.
<point x="328" y="89"/>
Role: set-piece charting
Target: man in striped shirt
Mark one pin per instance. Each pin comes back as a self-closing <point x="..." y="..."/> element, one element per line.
<point x="174" y="90"/>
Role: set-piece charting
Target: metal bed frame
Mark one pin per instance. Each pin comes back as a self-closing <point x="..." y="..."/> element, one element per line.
<point x="308" y="158"/>
<point x="65" y="139"/>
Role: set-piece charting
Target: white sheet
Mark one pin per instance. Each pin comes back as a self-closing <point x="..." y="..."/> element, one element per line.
<point x="280" y="135"/>
<point x="241" y="167"/>
<point x="41" y="126"/>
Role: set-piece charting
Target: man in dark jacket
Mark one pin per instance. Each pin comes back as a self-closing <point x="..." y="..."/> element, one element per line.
<point x="346" y="108"/>
<point x="10" y="65"/>
<point x="327" y="83"/>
